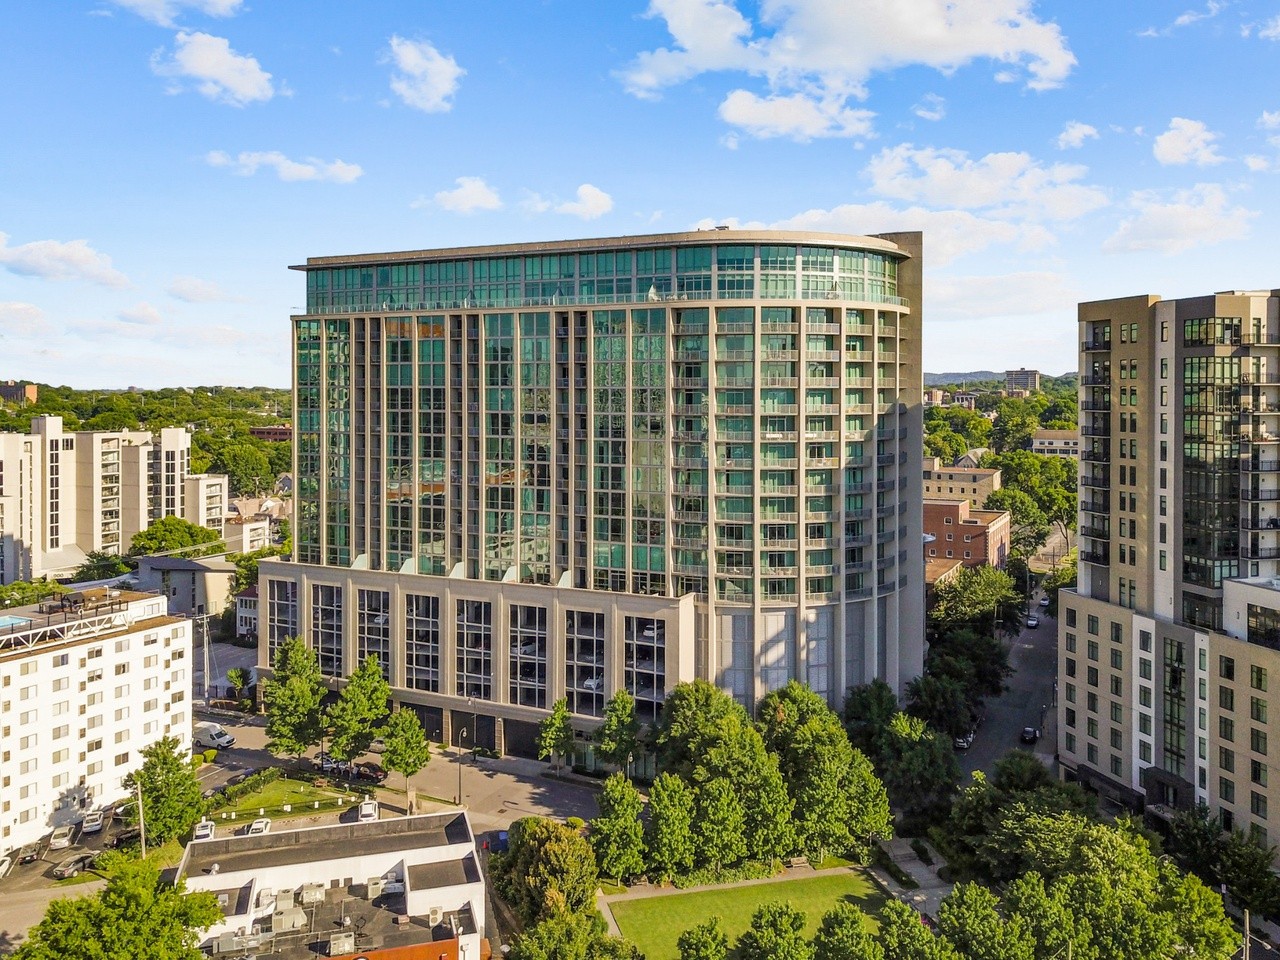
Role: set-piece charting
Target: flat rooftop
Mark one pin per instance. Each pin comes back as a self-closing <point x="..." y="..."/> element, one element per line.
<point x="235" y="854"/>
<point x="78" y="616"/>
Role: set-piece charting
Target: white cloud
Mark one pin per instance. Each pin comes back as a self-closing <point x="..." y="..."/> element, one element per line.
<point x="246" y="164"/>
<point x="592" y="202"/>
<point x="58" y="260"/>
<point x="219" y="72"/>
<point x="1270" y="120"/>
<point x="1009" y="295"/>
<point x="1074" y="134"/>
<point x="948" y="233"/>
<point x="1187" y="141"/>
<point x="1007" y="184"/>
<point x="427" y="79"/>
<point x="826" y="50"/>
<point x="534" y="203"/>
<point x="930" y="107"/>
<point x="471" y="194"/>
<point x="163" y="12"/>
<point x="1270" y="30"/>
<point x="1186" y="219"/>
<point x="797" y="116"/>
<point x="142" y="314"/>
<point x="1256" y="163"/>
<point x="1212" y="9"/>
<point x="20" y="319"/>
<point x="195" y="290"/>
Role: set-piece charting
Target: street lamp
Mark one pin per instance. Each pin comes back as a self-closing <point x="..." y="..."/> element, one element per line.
<point x="471" y="702"/>
<point x="462" y="736"/>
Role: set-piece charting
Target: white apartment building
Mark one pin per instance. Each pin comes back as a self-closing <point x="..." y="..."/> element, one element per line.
<point x="86" y="682"/>
<point x="409" y="886"/>
<point x="64" y="494"/>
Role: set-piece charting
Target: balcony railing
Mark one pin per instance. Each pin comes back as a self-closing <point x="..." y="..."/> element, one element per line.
<point x="1096" y="556"/>
<point x="1097" y="343"/>
<point x="1259" y="495"/>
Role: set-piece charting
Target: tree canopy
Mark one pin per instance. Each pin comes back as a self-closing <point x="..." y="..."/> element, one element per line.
<point x="361" y="707"/>
<point x="292" y="698"/>
<point x="170" y="534"/>
<point x="172" y="800"/>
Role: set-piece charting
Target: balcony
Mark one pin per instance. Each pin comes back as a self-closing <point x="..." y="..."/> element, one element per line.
<point x="1102" y="557"/>
<point x="1097" y="343"/>
<point x="1259" y="495"/>
<point x="1095" y="506"/>
<point x="1260" y="523"/>
<point x="1102" y="483"/>
<point x="1263" y="378"/>
<point x="1249" y="465"/>
<point x="1095" y="406"/>
<point x="1096" y="533"/>
<point x="1100" y="429"/>
<point x="1252" y="552"/>
<point x="1095" y="456"/>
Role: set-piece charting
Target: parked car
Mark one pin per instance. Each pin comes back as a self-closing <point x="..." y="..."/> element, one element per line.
<point x="93" y="822"/>
<point x="965" y="741"/>
<point x="62" y="837"/>
<point x="323" y="762"/>
<point x="203" y="830"/>
<point x="6" y="864"/>
<point x="1030" y="734"/>
<point x="594" y="683"/>
<point x="1044" y="601"/>
<point x="368" y="812"/>
<point x="1033" y="622"/>
<point x="73" y="865"/>
<point x="259" y="827"/>
<point x="241" y="777"/>
<point x="371" y="772"/>
<point x="125" y="838"/>
<point x="29" y="853"/>
<point x="378" y="745"/>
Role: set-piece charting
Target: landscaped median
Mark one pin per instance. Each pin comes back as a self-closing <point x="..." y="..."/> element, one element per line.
<point x="653" y="921"/>
<point x="271" y="793"/>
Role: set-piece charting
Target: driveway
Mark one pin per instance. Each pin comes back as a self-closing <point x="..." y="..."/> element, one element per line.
<point x="1028" y="701"/>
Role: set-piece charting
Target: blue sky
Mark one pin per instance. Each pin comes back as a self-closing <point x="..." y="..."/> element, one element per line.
<point x="164" y="161"/>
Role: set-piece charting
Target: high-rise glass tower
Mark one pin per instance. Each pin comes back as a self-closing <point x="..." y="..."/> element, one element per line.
<point x="562" y="469"/>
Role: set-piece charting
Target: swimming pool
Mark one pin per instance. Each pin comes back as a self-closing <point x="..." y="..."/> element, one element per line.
<point x="7" y="622"/>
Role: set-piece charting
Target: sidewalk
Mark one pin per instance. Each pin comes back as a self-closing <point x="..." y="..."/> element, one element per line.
<point x="932" y="889"/>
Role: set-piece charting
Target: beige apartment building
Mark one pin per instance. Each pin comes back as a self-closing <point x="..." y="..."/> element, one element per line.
<point x="564" y="469"/>
<point x="65" y="493"/>
<point x="1022" y="379"/>
<point x="974" y="484"/>
<point x="1167" y="647"/>
<point x="1056" y="443"/>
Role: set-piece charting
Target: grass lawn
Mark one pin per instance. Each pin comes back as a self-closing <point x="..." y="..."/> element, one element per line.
<point x="276" y="794"/>
<point x="655" y="923"/>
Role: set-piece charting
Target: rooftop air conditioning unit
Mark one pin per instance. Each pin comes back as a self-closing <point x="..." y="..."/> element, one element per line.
<point x="312" y="893"/>
<point x="341" y="943"/>
<point x="434" y="916"/>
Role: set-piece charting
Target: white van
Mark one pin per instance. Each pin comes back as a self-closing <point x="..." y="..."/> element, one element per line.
<point x="209" y="734"/>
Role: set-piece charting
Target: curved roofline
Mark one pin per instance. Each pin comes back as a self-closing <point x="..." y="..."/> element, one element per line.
<point x="684" y="238"/>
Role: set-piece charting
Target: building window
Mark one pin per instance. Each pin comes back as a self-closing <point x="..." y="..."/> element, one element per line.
<point x="584" y="661"/>
<point x="528" y="655"/>
<point x="1258" y="741"/>
<point x="1093" y="625"/>
<point x="474" y="655"/>
<point x="1226" y="790"/>
<point x="1226" y="668"/>
<point x="422" y="642"/>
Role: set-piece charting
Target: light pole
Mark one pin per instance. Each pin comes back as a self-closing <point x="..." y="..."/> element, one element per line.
<point x="462" y="736"/>
<point x="471" y="702"/>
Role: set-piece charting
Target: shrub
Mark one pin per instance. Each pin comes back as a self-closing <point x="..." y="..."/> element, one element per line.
<point x="236" y="792"/>
<point x="210" y="756"/>
<point x="921" y="851"/>
<point x="575" y="823"/>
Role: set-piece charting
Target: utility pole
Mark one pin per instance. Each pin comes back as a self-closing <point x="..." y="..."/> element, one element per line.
<point x="1247" y="936"/>
<point x="142" y="824"/>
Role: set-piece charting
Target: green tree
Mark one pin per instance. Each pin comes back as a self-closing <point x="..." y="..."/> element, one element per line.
<point x="362" y="705"/>
<point x="776" y="933"/>
<point x="170" y="534"/>
<point x="292" y="698"/>
<point x="572" y="936"/>
<point x="1050" y="922"/>
<point x="669" y="837"/>
<point x="720" y="825"/>
<point x="921" y="771"/>
<point x="100" y="565"/>
<point x="408" y="750"/>
<point x="1244" y="865"/>
<point x="21" y="593"/>
<point x="691" y="715"/>
<point x="171" y="795"/>
<point x="618" y="736"/>
<point x="904" y="937"/>
<point x="1200" y="925"/>
<point x="238" y="679"/>
<point x="135" y="915"/>
<point x="1196" y="840"/>
<point x="969" y="917"/>
<point x="706" y="941"/>
<point x="942" y="702"/>
<point x="246" y="466"/>
<point x="844" y="935"/>
<point x="548" y="869"/>
<point x="555" y="734"/>
<point x="839" y="804"/>
<point x="247" y="566"/>
<point x="975" y="598"/>
<point x="617" y="835"/>
<point x="1028" y="524"/>
<point x="868" y="709"/>
<point x="1013" y="428"/>
<point x="978" y="660"/>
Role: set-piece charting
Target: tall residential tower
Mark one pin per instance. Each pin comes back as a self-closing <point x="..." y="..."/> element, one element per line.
<point x="1167" y="647"/>
<point x="563" y="469"/>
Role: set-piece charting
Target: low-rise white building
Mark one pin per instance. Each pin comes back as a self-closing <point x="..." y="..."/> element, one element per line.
<point x="349" y="889"/>
<point x="247" y="613"/>
<point x="87" y="681"/>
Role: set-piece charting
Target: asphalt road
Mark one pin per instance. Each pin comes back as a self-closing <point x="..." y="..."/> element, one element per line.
<point x="1028" y="701"/>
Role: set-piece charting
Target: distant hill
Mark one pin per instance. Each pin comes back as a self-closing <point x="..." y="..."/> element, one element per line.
<point x="937" y="379"/>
